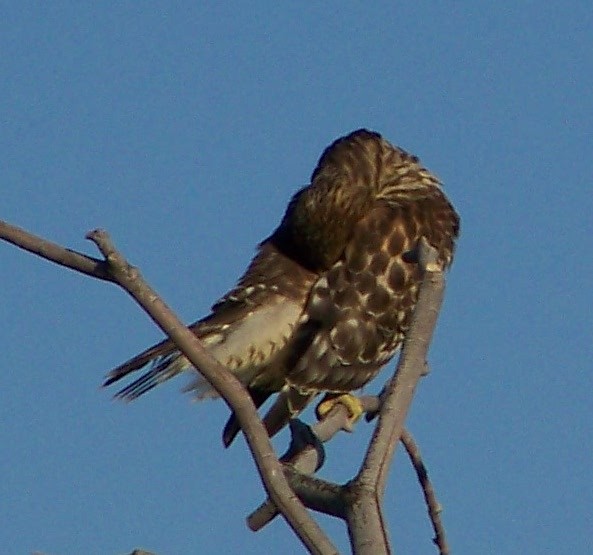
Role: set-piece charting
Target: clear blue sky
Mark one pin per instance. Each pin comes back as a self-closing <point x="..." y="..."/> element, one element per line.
<point x="183" y="130"/>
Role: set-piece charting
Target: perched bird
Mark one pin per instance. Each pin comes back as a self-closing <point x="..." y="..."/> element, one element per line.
<point x="328" y="298"/>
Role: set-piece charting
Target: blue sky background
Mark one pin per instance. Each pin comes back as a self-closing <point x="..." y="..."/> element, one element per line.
<point x="183" y="129"/>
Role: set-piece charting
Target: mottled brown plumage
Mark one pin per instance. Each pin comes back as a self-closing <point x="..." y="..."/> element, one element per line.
<point x="328" y="298"/>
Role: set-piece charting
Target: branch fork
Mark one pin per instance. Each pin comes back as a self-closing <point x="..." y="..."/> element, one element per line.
<point x="359" y="501"/>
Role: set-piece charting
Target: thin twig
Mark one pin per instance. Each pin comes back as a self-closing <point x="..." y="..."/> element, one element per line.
<point x="434" y="507"/>
<point x="54" y="253"/>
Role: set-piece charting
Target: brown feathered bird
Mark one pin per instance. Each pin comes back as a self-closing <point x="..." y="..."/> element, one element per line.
<point x="329" y="296"/>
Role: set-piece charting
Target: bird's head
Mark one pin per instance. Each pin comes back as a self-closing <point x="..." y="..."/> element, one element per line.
<point x="352" y="174"/>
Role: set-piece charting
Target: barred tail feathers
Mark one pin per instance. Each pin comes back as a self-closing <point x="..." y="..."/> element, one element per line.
<point x="162" y="369"/>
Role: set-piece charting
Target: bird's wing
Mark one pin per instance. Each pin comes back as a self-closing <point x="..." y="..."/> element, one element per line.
<point x="244" y="330"/>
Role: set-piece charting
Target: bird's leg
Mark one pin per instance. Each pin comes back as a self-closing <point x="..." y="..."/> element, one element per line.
<point x="351" y="402"/>
<point x="288" y="405"/>
<point x="294" y="402"/>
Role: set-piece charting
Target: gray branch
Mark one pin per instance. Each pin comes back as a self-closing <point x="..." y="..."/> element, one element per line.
<point x="116" y="269"/>
<point x="359" y="502"/>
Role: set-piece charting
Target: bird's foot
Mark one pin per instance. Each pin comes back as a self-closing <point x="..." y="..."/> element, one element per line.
<point x="351" y="402"/>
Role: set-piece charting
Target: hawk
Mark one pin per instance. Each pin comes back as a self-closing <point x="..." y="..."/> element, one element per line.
<point x="328" y="297"/>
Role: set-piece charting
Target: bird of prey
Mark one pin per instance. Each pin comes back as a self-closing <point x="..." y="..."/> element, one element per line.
<point x="328" y="297"/>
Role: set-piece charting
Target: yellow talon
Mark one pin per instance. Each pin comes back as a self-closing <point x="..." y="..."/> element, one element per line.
<point x="351" y="402"/>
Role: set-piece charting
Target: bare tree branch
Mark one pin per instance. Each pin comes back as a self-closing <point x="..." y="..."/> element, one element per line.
<point x="54" y="253"/>
<point x="361" y="498"/>
<point x="359" y="501"/>
<point x="231" y="390"/>
<point x="366" y="527"/>
<point x="434" y="507"/>
<point x="116" y="269"/>
<point x="304" y="457"/>
<point x="411" y="366"/>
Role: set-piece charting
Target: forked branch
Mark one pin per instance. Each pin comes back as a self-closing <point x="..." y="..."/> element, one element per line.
<point x="359" y="501"/>
<point x="116" y="269"/>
